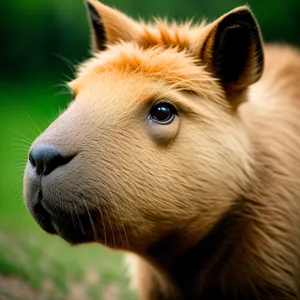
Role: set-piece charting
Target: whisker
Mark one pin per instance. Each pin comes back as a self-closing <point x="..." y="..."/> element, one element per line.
<point x="34" y="123"/>
<point x="25" y="142"/>
<point x="22" y="135"/>
<point x="118" y="211"/>
<point x="103" y="222"/>
<point x="67" y="61"/>
<point x="62" y="93"/>
<point x="20" y="149"/>
<point x="102" y="219"/>
<point x="130" y="201"/>
<point x="80" y="224"/>
<point x="112" y="230"/>
<point x="91" y="221"/>
<point x="72" y="218"/>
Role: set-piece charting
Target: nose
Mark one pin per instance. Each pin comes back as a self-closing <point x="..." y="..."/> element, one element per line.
<point x="46" y="158"/>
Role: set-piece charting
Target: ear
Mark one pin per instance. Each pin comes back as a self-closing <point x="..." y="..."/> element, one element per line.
<point x="233" y="50"/>
<point x="109" y="25"/>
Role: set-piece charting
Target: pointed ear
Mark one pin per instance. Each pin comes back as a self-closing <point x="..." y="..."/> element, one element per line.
<point x="109" y="25"/>
<point x="233" y="50"/>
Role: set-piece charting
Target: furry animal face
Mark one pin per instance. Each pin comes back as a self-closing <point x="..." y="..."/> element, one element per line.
<point x="152" y="144"/>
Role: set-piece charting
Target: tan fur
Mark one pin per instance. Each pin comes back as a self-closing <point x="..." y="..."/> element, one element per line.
<point x="213" y="196"/>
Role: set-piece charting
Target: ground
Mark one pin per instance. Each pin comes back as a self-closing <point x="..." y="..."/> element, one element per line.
<point x="33" y="264"/>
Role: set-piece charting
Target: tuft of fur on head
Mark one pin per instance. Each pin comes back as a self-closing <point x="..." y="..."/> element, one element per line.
<point x="178" y="70"/>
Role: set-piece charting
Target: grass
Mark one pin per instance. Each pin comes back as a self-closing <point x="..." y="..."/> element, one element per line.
<point x="44" y="264"/>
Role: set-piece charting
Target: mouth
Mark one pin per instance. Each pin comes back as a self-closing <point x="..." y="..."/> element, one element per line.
<point x="74" y="228"/>
<point x="60" y="209"/>
<point x="43" y="219"/>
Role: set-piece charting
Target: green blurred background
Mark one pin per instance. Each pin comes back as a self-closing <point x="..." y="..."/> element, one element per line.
<point x="40" y="42"/>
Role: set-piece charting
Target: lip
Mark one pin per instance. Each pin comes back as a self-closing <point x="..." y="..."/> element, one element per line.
<point x="43" y="218"/>
<point x="64" y="224"/>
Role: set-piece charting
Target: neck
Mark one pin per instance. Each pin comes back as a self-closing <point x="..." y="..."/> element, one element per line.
<point x="217" y="267"/>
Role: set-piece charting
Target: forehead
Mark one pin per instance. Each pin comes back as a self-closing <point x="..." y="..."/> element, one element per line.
<point x="176" y="69"/>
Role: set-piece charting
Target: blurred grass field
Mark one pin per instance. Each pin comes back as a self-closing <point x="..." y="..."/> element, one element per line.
<point x="33" y="264"/>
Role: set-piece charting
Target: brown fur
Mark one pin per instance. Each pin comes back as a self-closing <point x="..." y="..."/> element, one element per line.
<point x="208" y="205"/>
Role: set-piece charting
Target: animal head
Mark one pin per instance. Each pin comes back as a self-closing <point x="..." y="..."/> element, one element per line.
<point x="152" y="144"/>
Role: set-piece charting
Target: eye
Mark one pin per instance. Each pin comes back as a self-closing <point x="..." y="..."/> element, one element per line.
<point x="163" y="113"/>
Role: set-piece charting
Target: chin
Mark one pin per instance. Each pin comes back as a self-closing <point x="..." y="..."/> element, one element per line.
<point x="73" y="228"/>
<point x="57" y="216"/>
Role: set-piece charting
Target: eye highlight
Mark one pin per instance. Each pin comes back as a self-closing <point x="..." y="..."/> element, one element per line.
<point x="163" y="113"/>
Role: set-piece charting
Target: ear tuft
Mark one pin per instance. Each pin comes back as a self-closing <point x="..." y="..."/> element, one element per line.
<point x="233" y="50"/>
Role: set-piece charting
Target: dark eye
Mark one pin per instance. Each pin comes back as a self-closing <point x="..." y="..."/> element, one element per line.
<point x="163" y="113"/>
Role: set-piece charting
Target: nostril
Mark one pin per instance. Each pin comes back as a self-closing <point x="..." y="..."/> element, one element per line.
<point x="31" y="159"/>
<point x="53" y="162"/>
<point x="46" y="158"/>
